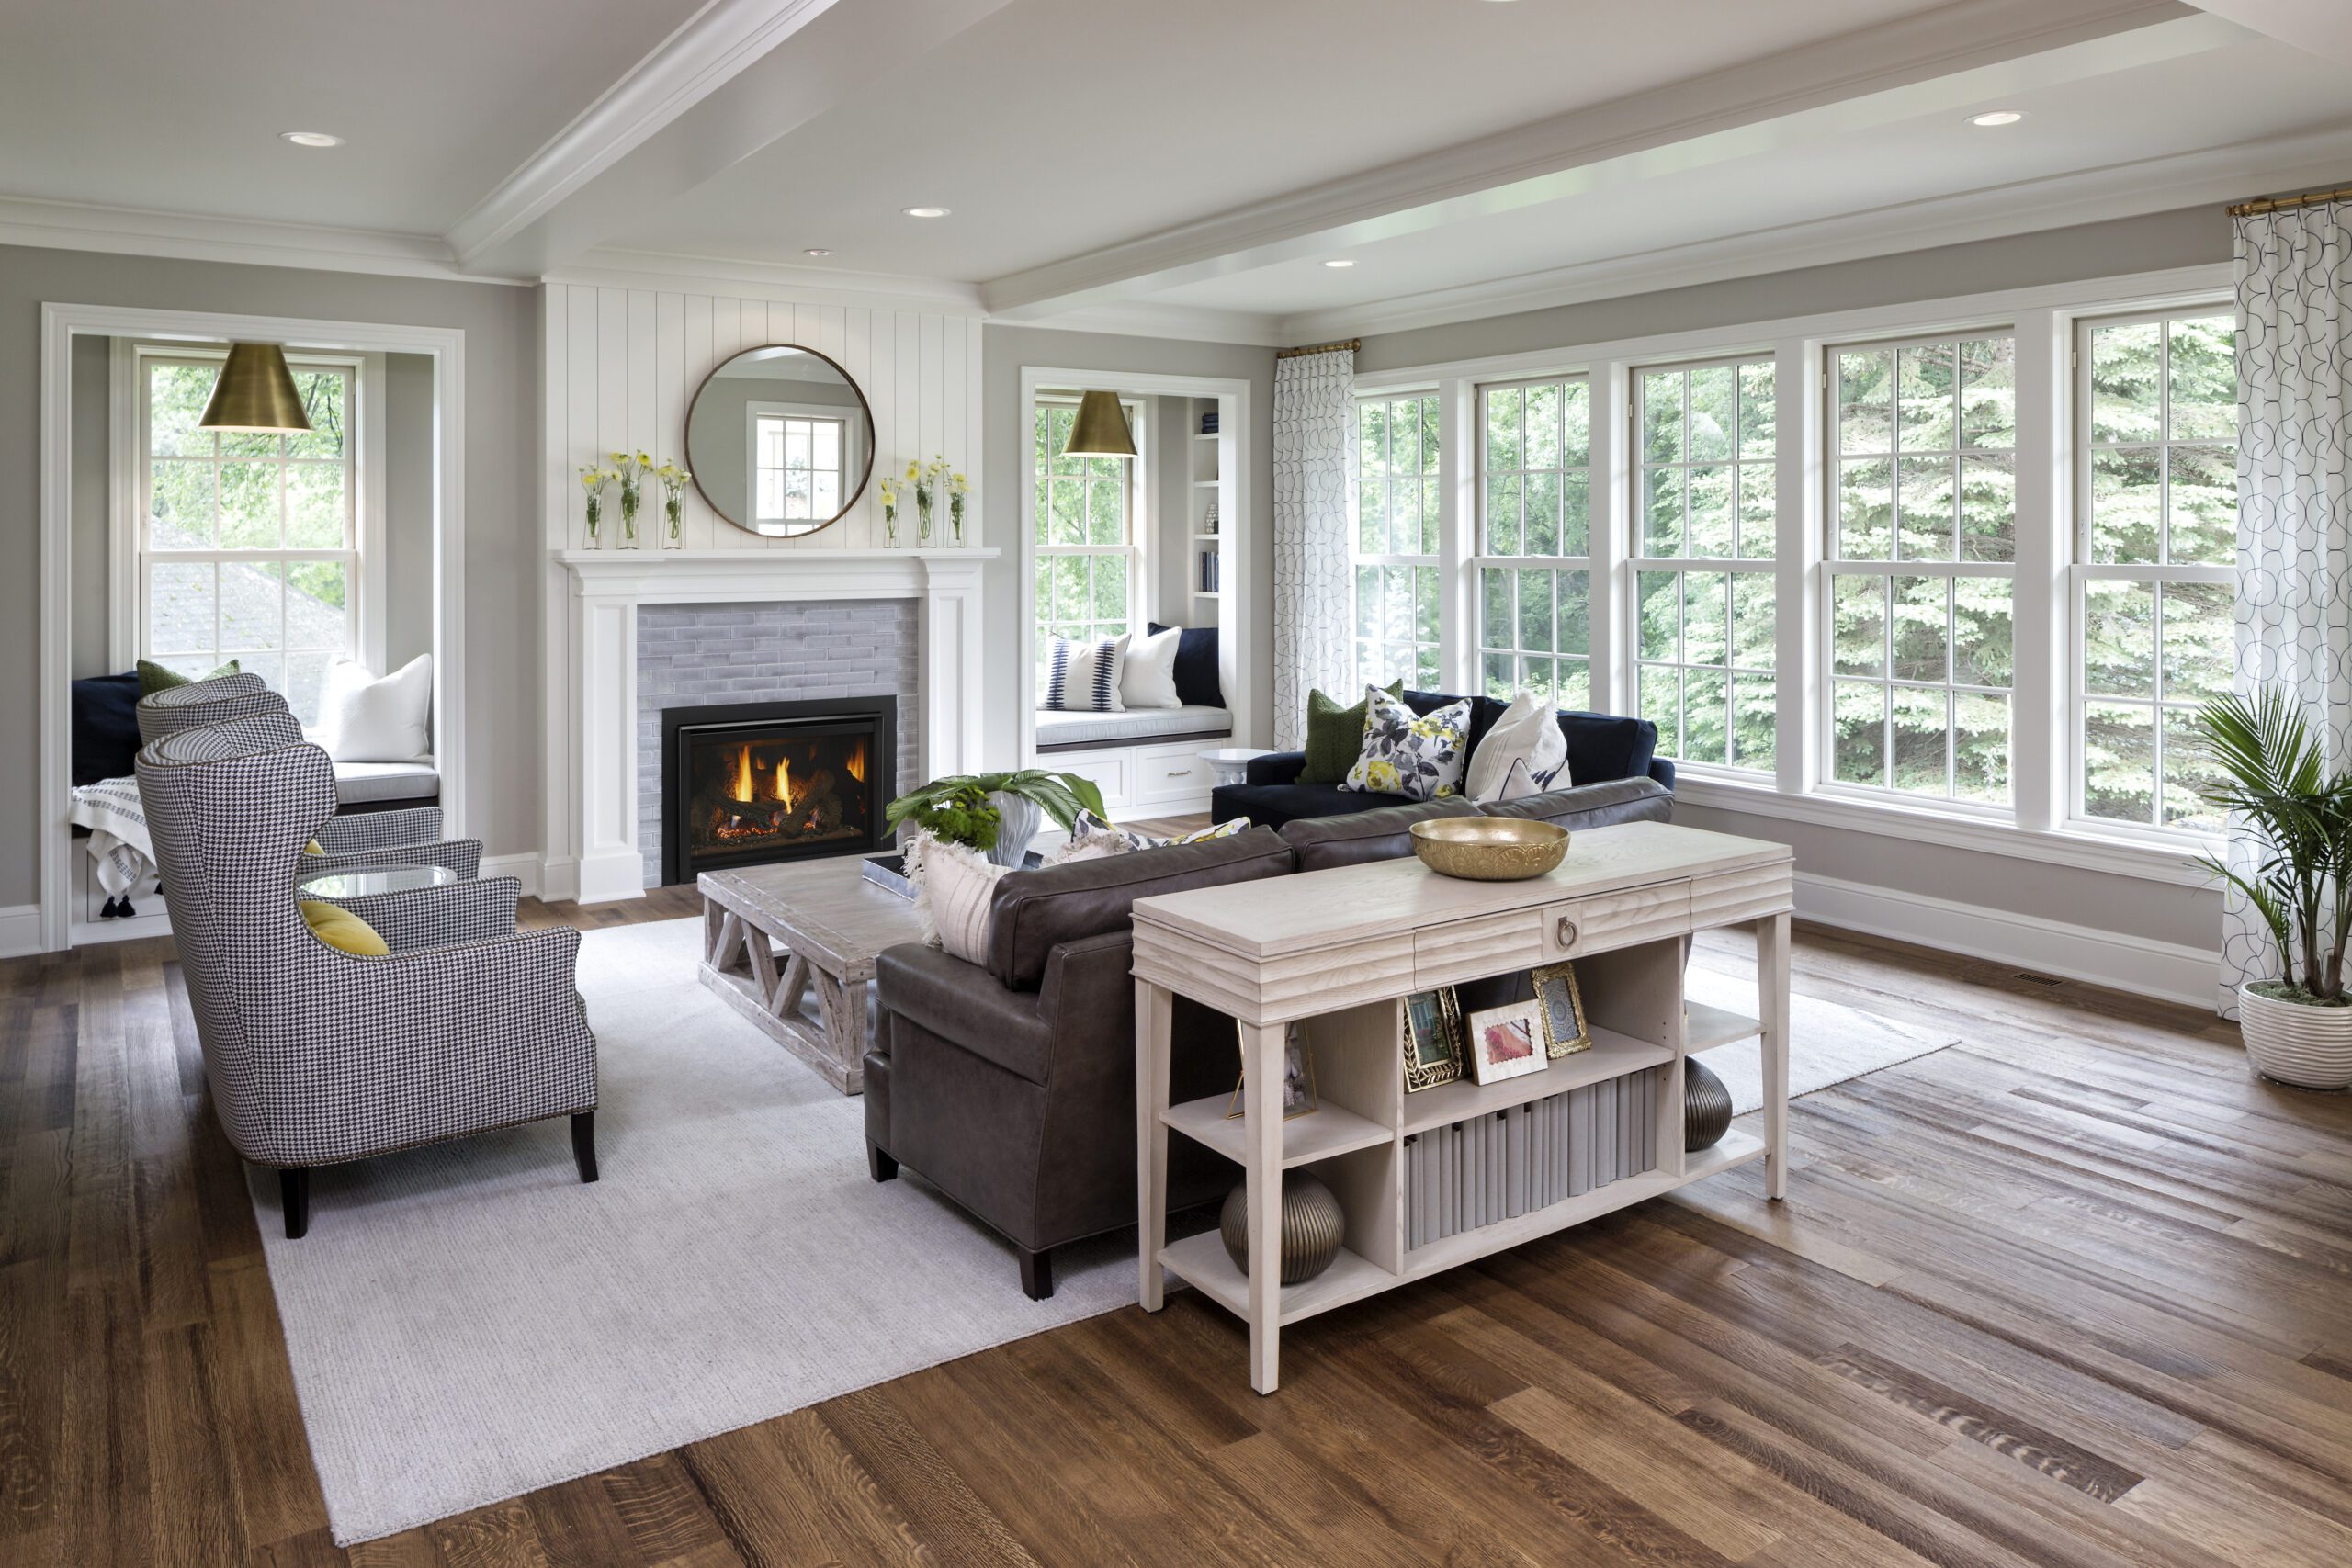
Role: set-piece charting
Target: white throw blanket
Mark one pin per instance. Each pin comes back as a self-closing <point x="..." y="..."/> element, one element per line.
<point x="122" y="854"/>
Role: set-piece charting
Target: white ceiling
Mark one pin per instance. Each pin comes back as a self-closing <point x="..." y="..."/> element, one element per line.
<point x="176" y="106"/>
<point x="1192" y="162"/>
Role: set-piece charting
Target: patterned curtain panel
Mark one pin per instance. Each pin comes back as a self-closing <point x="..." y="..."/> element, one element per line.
<point x="1315" y="485"/>
<point x="2294" y="590"/>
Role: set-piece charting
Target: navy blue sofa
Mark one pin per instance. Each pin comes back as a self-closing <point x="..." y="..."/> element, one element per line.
<point x="1604" y="749"/>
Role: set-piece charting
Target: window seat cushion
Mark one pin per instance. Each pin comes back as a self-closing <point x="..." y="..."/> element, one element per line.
<point x="367" y="784"/>
<point x="1073" y="731"/>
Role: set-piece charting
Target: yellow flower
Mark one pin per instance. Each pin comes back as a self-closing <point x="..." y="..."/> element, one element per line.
<point x="960" y="484"/>
<point x="914" y="471"/>
<point x="643" y="461"/>
<point x="619" y="456"/>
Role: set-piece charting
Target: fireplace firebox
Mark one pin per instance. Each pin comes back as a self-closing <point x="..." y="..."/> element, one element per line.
<point x="747" y="783"/>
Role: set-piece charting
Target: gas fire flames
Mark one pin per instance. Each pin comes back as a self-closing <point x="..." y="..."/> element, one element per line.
<point x="784" y="814"/>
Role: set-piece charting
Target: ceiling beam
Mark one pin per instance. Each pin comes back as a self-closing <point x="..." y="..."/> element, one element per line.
<point x="2317" y="26"/>
<point x="734" y="78"/>
<point x="1550" y="159"/>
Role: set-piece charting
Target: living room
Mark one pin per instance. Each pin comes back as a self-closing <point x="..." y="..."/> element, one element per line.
<point x="741" y="756"/>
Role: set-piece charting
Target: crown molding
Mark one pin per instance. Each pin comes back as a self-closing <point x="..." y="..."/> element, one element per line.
<point x="1143" y="318"/>
<point x="123" y="231"/>
<point x="780" y="281"/>
<point x="1521" y="165"/>
<point x="2156" y="185"/>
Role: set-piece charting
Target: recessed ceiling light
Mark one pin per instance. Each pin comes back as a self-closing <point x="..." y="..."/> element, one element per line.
<point x="1996" y="117"/>
<point x="816" y="250"/>
<point x="1338" y="261"/>
<point x="310" y="138"/>
<point x="925" y="211"/>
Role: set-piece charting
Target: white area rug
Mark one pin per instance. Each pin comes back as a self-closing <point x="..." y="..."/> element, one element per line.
<point x="1828" y="1041"/>
<point x="468" y="1322"/>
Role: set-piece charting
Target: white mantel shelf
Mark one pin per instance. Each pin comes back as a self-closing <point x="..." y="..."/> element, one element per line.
<point x="611" y="584"/>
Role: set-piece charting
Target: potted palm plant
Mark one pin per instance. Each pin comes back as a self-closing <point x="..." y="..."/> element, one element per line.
<point x="2298" y="1025"/>
<point x="997" y="814"/>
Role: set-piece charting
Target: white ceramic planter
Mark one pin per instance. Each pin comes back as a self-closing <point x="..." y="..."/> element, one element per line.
<point x="2306" y="1046"/>
<point x="1021" y="818"/>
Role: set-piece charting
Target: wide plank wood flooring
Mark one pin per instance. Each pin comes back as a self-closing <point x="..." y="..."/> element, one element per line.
<point x="2077" y="1291"/>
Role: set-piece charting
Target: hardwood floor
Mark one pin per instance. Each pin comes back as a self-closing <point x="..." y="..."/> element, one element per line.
<point x="2073" y="1293"/>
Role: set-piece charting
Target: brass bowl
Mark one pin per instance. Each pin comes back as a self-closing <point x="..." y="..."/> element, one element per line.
<point x="1489" y="849"/>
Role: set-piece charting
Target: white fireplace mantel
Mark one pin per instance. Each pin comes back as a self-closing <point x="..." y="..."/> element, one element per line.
<point x="611" y="584"/>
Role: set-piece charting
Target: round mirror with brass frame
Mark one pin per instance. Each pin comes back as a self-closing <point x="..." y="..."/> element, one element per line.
<point x="780" y="441"/>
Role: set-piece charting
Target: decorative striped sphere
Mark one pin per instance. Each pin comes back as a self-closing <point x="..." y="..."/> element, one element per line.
<point x="1706" y="1107"/>
<point x="1312" y="1226"/>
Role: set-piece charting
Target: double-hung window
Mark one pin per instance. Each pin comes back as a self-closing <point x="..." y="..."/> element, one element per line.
<point x="2156" y="507"/>
<point x="797" y="463"/>
<point x="1395" y="554"/>
<point x="247" y="543"/>
<point x="1535" y="546"/>
<point x="1922" y="543"/>
<point x="1087" y="566"/>
<point x="1703" y="563"/>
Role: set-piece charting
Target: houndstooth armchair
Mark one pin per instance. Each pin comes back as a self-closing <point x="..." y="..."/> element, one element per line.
<point x="315" y="1057"/>
<point x="167" y="712"/>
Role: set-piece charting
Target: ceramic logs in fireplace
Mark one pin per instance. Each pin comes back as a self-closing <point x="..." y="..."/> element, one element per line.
<point x="748" y="783"/>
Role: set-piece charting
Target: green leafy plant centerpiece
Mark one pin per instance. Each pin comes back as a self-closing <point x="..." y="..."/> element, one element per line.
<point x="964" y="808"/>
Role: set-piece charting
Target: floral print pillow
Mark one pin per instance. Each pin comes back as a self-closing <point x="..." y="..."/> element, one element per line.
<point x="1421" y="759"/>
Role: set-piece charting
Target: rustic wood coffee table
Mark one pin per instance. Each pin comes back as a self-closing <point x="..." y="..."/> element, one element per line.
<point x="773" y="933"/>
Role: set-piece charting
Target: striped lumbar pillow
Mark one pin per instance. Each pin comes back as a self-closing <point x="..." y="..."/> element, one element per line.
<point x="1083" y="677"/>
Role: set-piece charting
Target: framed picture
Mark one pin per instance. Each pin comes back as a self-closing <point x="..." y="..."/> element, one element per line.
<point x="1433" y="1038"/>
<point x="1298" y="1077"/>
<point x="1565" y="1031"/>
<point x="1507" y="1042"/>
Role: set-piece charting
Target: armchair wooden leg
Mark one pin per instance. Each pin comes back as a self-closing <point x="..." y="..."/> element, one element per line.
<point x="294" y="1197"/>
<point x="1036" y="1272"/>
<point x="880" y="1161"/>
<point x="584" y="1143"/>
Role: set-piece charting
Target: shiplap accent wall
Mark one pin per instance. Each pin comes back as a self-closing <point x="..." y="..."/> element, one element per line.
<point x="619" y="367"/>
<point x="622" y="366"/>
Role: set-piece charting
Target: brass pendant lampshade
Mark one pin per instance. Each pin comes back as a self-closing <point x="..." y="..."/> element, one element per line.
<point x="256" y="391"/>
<point x="1100" y="430"/>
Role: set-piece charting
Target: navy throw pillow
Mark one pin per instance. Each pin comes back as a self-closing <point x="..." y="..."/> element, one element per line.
<point x="1605" y="746"/>
<point x="105" y="728"/>
<point x="1197" y="682"/>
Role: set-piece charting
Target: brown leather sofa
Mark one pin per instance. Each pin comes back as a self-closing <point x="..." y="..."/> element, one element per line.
<point x="1010" y="1086"/>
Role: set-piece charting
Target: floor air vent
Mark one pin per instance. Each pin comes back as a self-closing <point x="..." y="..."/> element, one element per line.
<point x="2030" y="978"/>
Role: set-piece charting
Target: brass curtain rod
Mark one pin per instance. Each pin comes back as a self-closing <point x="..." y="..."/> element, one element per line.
<point x="1353" y="342"/>
<point x="2314" y="198"/>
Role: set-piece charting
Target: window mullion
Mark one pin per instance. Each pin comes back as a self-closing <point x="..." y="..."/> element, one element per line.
<point x="1607" y="589"/>
<point x="1457" y="467"/>
<point x="2039" y="617"/>
<point x="1798" y="584"/>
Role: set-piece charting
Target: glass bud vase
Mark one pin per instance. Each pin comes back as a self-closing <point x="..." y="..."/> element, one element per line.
<point x="673" y="536"/>
<point x="629" y="526"/>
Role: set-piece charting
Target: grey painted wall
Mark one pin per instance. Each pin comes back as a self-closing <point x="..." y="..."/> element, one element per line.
<point x="2196" y="236"/>
<point x="1004" y="350"/>
<point x="92" y="412"/>
<point x="502" y="563"/>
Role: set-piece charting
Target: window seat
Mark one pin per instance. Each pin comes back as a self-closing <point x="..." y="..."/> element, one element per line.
<point x="365" y="785"/>
<point x="1080" y="731"/>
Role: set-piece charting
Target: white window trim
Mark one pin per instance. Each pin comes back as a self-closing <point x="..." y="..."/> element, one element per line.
<point x="852" y="460"/>
<point x="2042" y="318"/>
<point x="125" y="453"/>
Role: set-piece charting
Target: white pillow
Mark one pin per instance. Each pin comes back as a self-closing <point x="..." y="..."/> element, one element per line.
<point x="954" y="891"/>
<point x="1148" y="680"/>
<point x="1529" y="732"/>
<point x="364" y="719"/>
<point x="1083" y="677"/>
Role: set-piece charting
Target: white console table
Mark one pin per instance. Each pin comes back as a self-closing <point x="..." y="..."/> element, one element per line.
<point x="1341" y="948"/>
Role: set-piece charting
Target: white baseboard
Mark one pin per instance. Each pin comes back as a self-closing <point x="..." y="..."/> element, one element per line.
<point x="19" y="929"/>
<point x="523" y="868"/>
<point x="2114" y="959"/>
<point x="559" y="880"/>
<point x="610" y="875"/>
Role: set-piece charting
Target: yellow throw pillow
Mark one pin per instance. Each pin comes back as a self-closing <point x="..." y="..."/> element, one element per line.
<point x="342" y="930"/>
<point x="313" y="848"/>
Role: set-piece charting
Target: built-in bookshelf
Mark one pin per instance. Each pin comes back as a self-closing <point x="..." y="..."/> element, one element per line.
<point x="1208" y="510"/>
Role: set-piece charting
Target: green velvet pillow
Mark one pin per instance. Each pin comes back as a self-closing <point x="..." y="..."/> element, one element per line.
<point x="1334" y="738"/>
<point x="154" y="678"/>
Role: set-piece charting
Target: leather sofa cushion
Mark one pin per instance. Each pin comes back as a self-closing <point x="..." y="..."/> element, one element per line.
<point x="959" y="1001"/>
<point x="1593" y="806"/>
<point x="1035" y="911"/>
<point x="1320" y="844"/>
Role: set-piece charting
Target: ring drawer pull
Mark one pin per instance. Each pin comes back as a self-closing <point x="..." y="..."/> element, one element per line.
<point x="1568" y="932"/>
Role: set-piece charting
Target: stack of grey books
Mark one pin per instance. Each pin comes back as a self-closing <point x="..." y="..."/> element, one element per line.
<point x="1502" y="1165"/>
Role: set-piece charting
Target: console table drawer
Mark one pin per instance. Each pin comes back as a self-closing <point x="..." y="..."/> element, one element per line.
<point x="1615" y="920"/>
<point x="1484" y="944"/>
<point x="1730" y="897"/>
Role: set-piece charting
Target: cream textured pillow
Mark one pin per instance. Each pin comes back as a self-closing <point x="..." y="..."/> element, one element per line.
<point x="364" y="719"/>
<point x="1529" y="732"/>
<point x="954" y="890"/>
<point x="1148" y="678"/>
